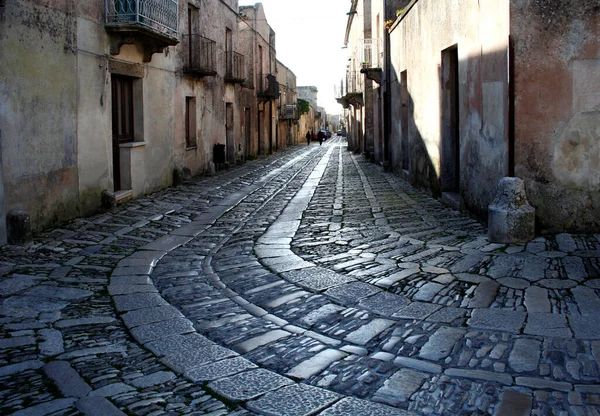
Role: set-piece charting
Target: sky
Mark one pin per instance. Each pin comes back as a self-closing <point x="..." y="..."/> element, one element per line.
<point x="309" y="36"/>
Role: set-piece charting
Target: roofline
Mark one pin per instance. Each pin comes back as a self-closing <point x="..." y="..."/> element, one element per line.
<point x="403" y="15"/>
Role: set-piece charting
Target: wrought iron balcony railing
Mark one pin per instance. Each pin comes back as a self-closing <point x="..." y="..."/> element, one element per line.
<point x="236" y="67"/>
<point x="200" y="55"/>
<point x="159" y="17"/>
<point x="288" y="112"/>
<point x="340" y="90"/>
<point x="354" y="82"/>
<point x="268" y="87"/>
<point x="369" y="53"/>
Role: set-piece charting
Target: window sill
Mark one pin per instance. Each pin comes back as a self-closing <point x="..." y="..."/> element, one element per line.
<point x="191" y="147"/>
<point x="132" y="144"/>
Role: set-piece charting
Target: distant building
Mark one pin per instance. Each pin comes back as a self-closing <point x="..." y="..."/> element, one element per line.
<point x="260" y="92"/>
<point x="311" y="121"/>
<point x="288" y="127"/>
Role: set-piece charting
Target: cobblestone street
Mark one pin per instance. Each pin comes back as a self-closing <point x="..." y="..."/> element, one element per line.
<point x="308" y="282"/>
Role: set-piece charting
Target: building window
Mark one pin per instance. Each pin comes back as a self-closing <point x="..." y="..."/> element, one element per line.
<point x="123" y="116"/>
<point x="228" y="49"/>
<point x="190" y="122"/>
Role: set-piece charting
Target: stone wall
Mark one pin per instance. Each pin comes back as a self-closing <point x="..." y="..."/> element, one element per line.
<point x="38" y="104"/>
<point x="557" y="110"/>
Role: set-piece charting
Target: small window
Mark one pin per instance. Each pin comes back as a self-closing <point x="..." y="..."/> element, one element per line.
<point x="190" y="122"/>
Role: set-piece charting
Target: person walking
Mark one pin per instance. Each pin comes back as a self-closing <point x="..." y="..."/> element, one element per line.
<point x="320" y="136"/>
<point x="308" y="137"/>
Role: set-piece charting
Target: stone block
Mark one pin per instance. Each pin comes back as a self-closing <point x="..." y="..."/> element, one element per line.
<point x="353" y="406"/>
<point x="510" y="217"/>
<point x="297" y="399"/>
<point x="248" y="385"/>
<point x="525" y="355"/>
<point x="97" y="406"/>
<point x="514" y="403"/>
<point x="219" y="369"/>
<point x="66" y="379"/>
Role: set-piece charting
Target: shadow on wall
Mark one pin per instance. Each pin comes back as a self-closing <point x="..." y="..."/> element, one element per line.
<point x="465" y="158"/>
<point x="408" y="151"/>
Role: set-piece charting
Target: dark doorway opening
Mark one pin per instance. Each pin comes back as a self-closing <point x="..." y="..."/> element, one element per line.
<point x="261" y="114"/>
<point x="247" y="132"/>
<point x="404" y="97"/>
<point x="450" y="149"/>
<point x="122" y="121"/>
<point x="229" y="141"/>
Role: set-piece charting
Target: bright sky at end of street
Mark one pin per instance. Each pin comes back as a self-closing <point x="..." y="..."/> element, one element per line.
<point x="309" y="36"/>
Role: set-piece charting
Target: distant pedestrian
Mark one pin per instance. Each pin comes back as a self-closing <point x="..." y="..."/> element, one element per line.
<point x="321" y="136"/>
<point x="308" y="137"/>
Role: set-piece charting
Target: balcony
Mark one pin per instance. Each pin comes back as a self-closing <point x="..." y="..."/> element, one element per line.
<point x="354" y="82"/>
<point x="236" y="68"/>
<point x="151" y="22"/>
<point x="200" y="55"/>
<point x="352" y="92"/>
<point x="288" y="112"/>
<point x="369" y="53"/>
<point x="268" y="87"/>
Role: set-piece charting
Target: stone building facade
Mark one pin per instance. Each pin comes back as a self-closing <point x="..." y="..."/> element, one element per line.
<point x="358" y="91"/>
<point x="260" y="91"/>
<point x="287" y="108"/>
<point x="310" y="121"/>
<point x="110" y="96"/>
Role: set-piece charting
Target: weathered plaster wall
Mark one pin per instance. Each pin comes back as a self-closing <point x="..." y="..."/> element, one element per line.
<point x="211" y="92"/>
<point x="480" y="32"/>
<point x="148" y="167"/>
<point x="55" y="105"/>
<point x="360" y="22"/>
<point x="255" y="32"/>
<point x="38" y="102"/>
<point x="94" y="133"/>
<point x="557" y="110"/>
<point x="287" y="130"/>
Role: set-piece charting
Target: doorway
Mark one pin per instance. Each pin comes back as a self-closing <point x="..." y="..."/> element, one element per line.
<point x="229" y="140"/>
<point x="450" y="149"/>
<point x="404" y="99"/>
<point x="259" y="121"/>
<point x="247" y="132"/>
<point x="122" y="121"/>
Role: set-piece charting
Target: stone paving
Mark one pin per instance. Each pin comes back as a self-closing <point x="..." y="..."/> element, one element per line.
<point x="305" y="283"/>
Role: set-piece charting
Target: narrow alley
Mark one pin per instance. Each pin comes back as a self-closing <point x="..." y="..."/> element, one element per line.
<point x="307" y="282"/>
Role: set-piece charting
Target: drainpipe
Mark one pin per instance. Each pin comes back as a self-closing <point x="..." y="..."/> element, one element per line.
<point x="511" y="107"/>
<point x="387" y="103"/>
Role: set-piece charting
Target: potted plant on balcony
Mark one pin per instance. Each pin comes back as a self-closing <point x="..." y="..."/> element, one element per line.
<point x="366" y="64"/>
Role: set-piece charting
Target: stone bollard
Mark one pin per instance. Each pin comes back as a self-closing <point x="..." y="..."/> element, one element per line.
<point x="181" y="175"/>
<point x="510" y="217"/>
<point x="18" y="227"/>
<point x="177" y="176"/>
<point x="108" y="200"/>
